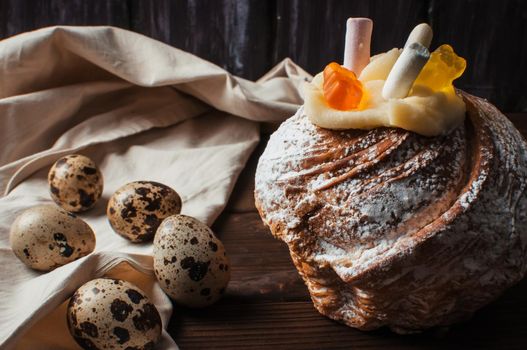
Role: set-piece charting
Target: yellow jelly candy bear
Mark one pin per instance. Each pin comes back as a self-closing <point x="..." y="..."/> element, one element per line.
<point x="443" y="67"/>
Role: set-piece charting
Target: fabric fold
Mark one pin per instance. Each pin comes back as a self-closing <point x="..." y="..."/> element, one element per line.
<point x="142" y="110"/>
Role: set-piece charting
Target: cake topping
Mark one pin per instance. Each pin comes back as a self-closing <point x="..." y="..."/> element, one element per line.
<point x="405" y="71"/>
<point x="407" y="88"/>
<point x="421" y="34"/>
<point x="357" y="48"/>
<point x="342" y="89"/>
<point x="442" y="69"/>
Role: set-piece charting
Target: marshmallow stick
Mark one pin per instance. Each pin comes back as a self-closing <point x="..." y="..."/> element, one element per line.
<point x="357" y="47"/>
<point x="405" y="71"/>
<point x="421" y="34"/>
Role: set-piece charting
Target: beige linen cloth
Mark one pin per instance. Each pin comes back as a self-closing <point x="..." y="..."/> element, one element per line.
<point x="143" y="111"/>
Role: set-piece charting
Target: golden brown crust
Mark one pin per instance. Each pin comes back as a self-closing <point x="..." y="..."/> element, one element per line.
<point x="387" y="227"/>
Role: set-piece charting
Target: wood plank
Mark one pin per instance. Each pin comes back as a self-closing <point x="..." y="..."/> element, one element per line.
<point x="492" y="36"/>
<point x="297" y="325"/>
<point x="242" y="197"/>
<point x="236" y="35"/>
<point x="17" y="16"/>
<point x="260" y="264"/>
<point x="520" y="122"/>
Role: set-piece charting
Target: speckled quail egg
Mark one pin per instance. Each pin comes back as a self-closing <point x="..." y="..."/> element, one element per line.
<point x="75" y="183"/>
<point x="190" y="263"/>
<point x="108" y="313"/>
<point x="136" y="210"/>
<point x="45" y="237"/>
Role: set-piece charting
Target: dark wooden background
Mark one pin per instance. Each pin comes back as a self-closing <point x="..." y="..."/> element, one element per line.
<point x="266" y="304"/>
<point x="248" y="37"/>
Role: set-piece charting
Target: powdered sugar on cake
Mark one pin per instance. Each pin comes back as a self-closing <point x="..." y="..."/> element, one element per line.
<point x="370" y="188"/>
<point x="387" y="208"/>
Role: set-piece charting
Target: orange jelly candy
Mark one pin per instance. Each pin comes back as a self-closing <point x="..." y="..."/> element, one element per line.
<point x="342" y="89"/>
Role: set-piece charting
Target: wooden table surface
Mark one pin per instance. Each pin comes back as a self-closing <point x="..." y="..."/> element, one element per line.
<point x="267" y="304"/>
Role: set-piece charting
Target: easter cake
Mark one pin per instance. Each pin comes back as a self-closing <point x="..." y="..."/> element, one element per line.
<point x="401" y="198"/>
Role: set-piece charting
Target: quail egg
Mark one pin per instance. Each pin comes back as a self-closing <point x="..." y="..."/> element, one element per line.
<point x="75" y="183"/>
<point x="46" y="237"/>
<point x="136" y="209"/>
<point x="190" y="263"/>
<point x="108" y="313"/>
